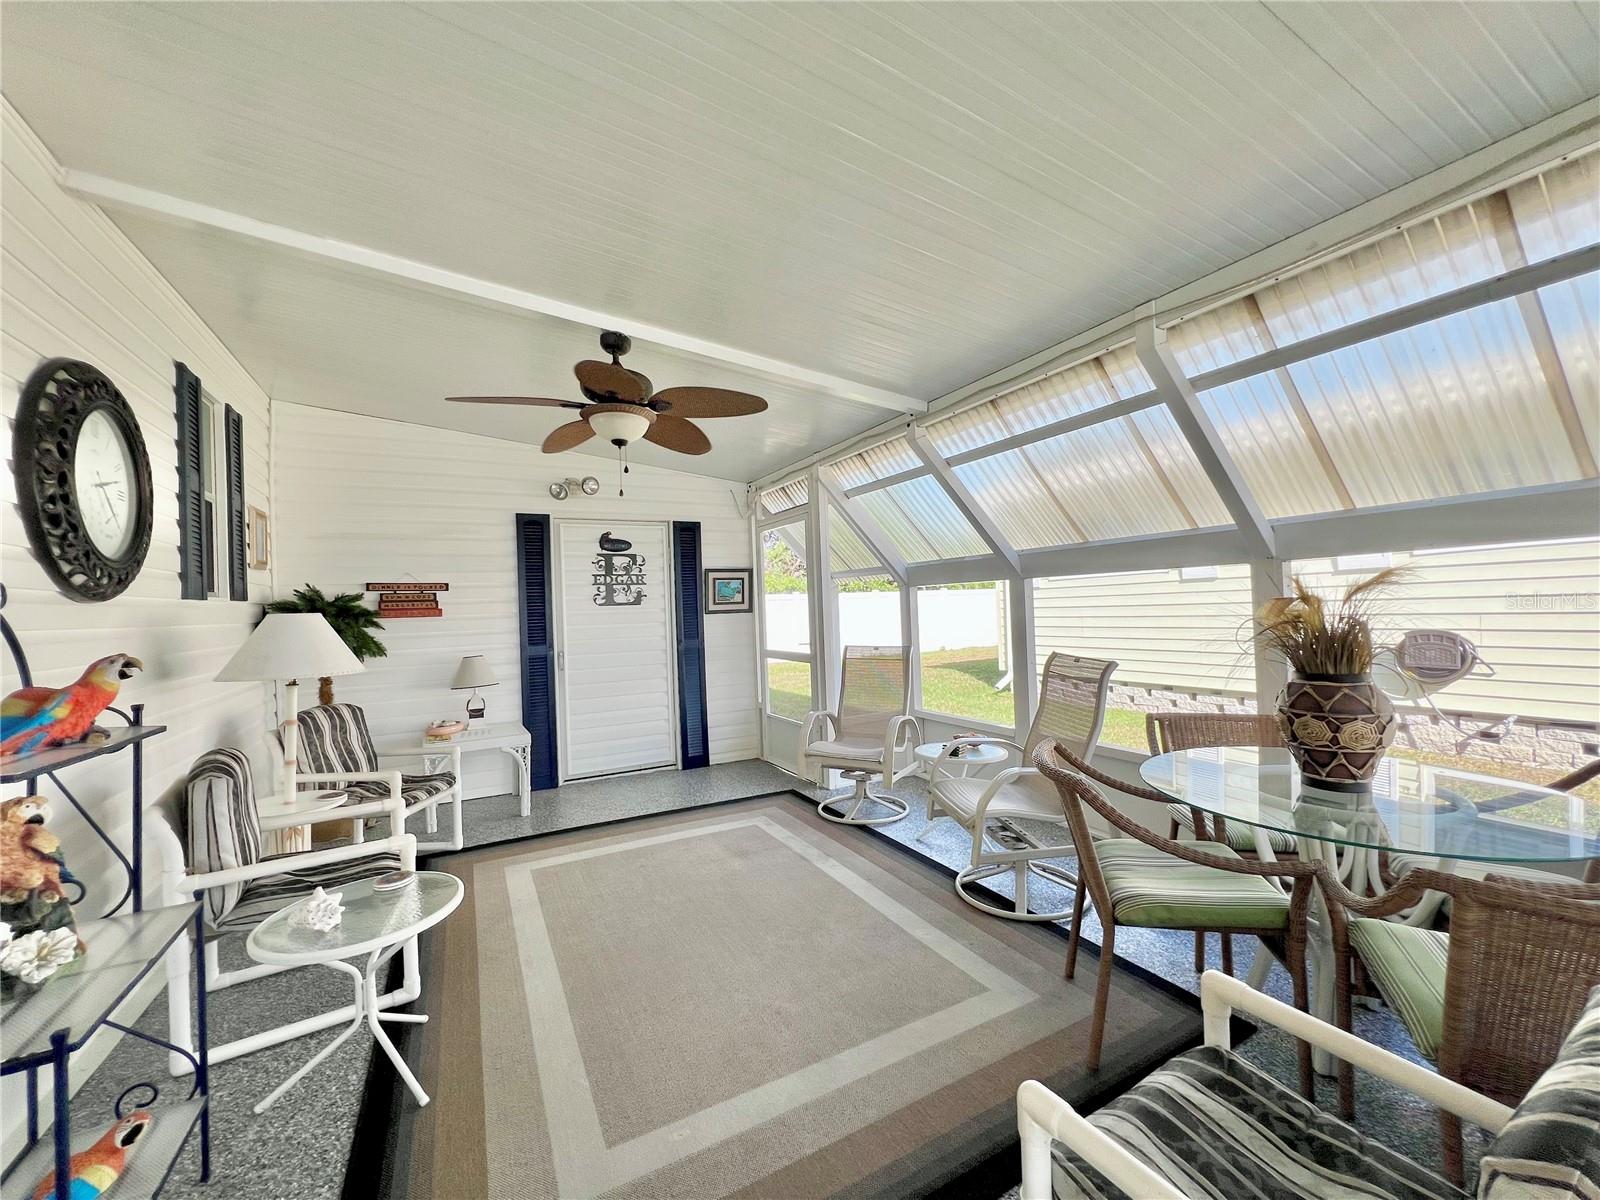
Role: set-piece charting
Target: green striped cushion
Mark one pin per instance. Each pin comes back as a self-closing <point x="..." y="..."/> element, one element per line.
<point x="1152" y="888"/>
<point x="1240" y="836"/>
<point x="1551" y="1146"/>
<point x="1216" y="1128"/>
<point x="1408" y="966"/>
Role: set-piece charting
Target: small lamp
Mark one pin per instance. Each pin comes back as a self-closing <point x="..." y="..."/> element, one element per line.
<point x="473" y="673"/>
<point x="290" y="647"/>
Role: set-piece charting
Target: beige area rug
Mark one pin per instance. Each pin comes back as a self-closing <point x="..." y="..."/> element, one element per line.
<point x="741" y="1001"/>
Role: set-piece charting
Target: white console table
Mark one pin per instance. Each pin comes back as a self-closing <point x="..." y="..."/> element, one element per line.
<point x="507" y="737"/>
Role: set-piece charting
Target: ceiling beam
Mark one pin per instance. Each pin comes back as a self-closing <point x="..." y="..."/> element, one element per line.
<point x="115" y="193"/>
<point x="1150" y="343"/>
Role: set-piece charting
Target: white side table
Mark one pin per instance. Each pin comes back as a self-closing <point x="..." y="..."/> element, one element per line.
<point x="376" y="924"/>
<point x="293" y="839"/>
<point x="971" y="756"/>
<point x="505" y="736"/>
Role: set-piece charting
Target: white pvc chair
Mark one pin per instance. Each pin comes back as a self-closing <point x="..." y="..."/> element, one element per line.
<point x="1072" y="707"/>
<point x="241" y="896"/>
<point x="870" y="735"/>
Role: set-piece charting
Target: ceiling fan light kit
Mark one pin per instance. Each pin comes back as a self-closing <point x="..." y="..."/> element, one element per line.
<point x="621" y="406"/>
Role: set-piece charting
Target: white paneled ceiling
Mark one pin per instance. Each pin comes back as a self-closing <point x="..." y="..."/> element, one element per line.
<point x="335" y="336"/>
<point x="907" y="196"/>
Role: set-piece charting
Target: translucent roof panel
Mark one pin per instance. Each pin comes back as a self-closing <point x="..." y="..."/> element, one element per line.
<point x="876" y="462"/>
<point x="846" y="550"/>
<point x="1069" y="392"/>
<point x="1546" y="215"/>
<point x="1125" y="478"/>
<point x="1450" y="408"/>
<point x="783" y="497"/>
<point x="921" y="522"/>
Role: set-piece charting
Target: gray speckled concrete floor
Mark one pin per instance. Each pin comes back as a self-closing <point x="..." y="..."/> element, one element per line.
<point x="299" y="1147"/>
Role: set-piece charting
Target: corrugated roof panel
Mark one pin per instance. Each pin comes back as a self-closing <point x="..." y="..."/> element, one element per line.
<point x="1010" y="487"/>
<point x="1573" y="311"/>
<point x="1267" y="435"/>
<point x="1450" y="408"/>
<point x="846" y="550"/>
<point x="1182" y="469"/>
<point x="1081" y="388"/>
<point x="921" y="522"/>
<point x="876" y="462"/>
<point x="784" y="497"/>
<point x="1558" y="210"/>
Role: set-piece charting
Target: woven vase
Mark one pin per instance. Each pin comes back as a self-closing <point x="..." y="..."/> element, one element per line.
<point x="1337" y="728"/>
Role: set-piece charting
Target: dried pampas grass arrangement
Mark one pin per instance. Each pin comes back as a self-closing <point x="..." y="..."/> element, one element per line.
<point x="1325" y="637"/>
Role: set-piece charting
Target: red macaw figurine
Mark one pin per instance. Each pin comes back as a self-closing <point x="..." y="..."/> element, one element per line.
<point x="97" y="1168"/>
<point x="33" y="718"/>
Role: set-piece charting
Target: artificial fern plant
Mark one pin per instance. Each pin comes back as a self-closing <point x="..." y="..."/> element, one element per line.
<point x="352" y="620"/>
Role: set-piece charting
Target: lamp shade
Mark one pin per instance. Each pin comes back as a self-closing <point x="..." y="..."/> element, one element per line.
<point x="290" y="646"/>
<point x="474" y="672"/>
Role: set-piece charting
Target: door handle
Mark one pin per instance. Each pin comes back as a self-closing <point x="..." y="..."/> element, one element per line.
<point x="561" y="660"/>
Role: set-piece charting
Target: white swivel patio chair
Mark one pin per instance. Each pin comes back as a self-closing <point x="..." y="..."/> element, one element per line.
<point x="217" y="859"/>
<point x="869" y="735"/>
<point x="336" y="750"/>
<point x="1072" y="707"/>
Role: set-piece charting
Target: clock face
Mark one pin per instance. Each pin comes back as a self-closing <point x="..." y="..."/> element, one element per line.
<point x="103" y="472"/>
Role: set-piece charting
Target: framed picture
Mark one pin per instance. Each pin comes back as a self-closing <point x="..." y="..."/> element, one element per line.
<point x="259" y="539"/>
<point x="727" y="590"/>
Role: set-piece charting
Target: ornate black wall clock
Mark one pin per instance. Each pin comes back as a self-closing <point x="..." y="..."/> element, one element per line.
<point x="83" y="479"/>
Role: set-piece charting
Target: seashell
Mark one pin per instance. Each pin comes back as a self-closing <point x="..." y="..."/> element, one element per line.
<point x="320" y="911"/>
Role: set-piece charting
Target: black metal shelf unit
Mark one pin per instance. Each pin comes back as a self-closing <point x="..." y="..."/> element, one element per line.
<point x="41" y="1030"/>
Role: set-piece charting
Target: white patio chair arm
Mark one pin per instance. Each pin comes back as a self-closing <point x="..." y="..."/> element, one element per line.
<point x="945" y="762"/>
<point x="806" y="728"/>
<point x="895" y="738"/>
<point x="326" y="816"/>
<point x="201" y="881"/>
<point x="394" y="806"/>
<point x="1221" y="994"/>
<point x="1043" y="1117"/>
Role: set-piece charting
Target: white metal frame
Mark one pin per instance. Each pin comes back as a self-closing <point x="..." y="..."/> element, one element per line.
<point x="179" y="885"/>
<point x="1043" y="1117"/>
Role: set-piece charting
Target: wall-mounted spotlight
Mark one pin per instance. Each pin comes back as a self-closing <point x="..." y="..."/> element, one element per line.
<point x="588" y="485"/>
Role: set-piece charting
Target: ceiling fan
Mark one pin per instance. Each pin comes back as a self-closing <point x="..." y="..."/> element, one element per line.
<point x="621" y="406"/>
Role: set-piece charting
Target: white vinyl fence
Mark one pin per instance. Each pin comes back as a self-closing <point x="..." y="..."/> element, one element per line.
<point x="948" y="619"/>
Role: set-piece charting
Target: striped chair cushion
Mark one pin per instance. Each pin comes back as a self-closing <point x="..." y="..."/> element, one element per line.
<point x="1241" y="837"/>
<point x="414" y="789"/>
<point x="1218" y="1129"/>
<point x="265" y="896"/>
<point x="224" y="826"/>
<point x="1152" y="888"/>
<point x="1551" y="1146"/>
<point x="1408" y="966"/>
<point x="334" y="738"/>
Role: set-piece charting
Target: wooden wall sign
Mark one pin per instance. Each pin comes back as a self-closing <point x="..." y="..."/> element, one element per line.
<point x="408" y="599"/>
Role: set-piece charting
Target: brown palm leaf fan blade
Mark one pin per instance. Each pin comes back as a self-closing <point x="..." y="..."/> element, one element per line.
<point x="531" y="401"/>
<point x="565" y="437"/>
<point x="707" y="402"/>
<point x="674" y="433"/>
<point x="612" y="380"/>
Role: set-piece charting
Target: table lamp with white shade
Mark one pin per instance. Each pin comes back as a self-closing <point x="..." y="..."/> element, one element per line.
<point x="474" y="672"/>
<point x="290" y="647"/>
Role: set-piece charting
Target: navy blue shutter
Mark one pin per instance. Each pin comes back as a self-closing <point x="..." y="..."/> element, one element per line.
<point x="191" y="491"/>
<point x="692" y="723"/>
<point x="536" y="632"/>
<point x="238" y="580"/>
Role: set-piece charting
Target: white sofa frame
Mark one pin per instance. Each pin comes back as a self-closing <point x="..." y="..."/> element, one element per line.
<point x="181" y="886"/>
<point x="1043" y="1116"/>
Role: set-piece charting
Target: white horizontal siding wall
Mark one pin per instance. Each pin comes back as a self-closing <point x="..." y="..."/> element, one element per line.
<point x="362" y="499"/>
<point x="73" y="286"/>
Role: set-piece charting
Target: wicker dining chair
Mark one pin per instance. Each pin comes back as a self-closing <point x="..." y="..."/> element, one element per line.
<point x="1170" y="731"/>
<point x="1488" y="1002"/>
<point x="1143" y="879"/>
<point x="1071" y="710"/>
<point x="870" y="735"/>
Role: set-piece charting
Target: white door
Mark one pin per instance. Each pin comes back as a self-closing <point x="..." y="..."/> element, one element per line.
<point x="615" y="661"/>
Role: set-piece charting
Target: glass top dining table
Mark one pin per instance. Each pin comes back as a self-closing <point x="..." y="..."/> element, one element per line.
<point x="1412" y="807"/>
